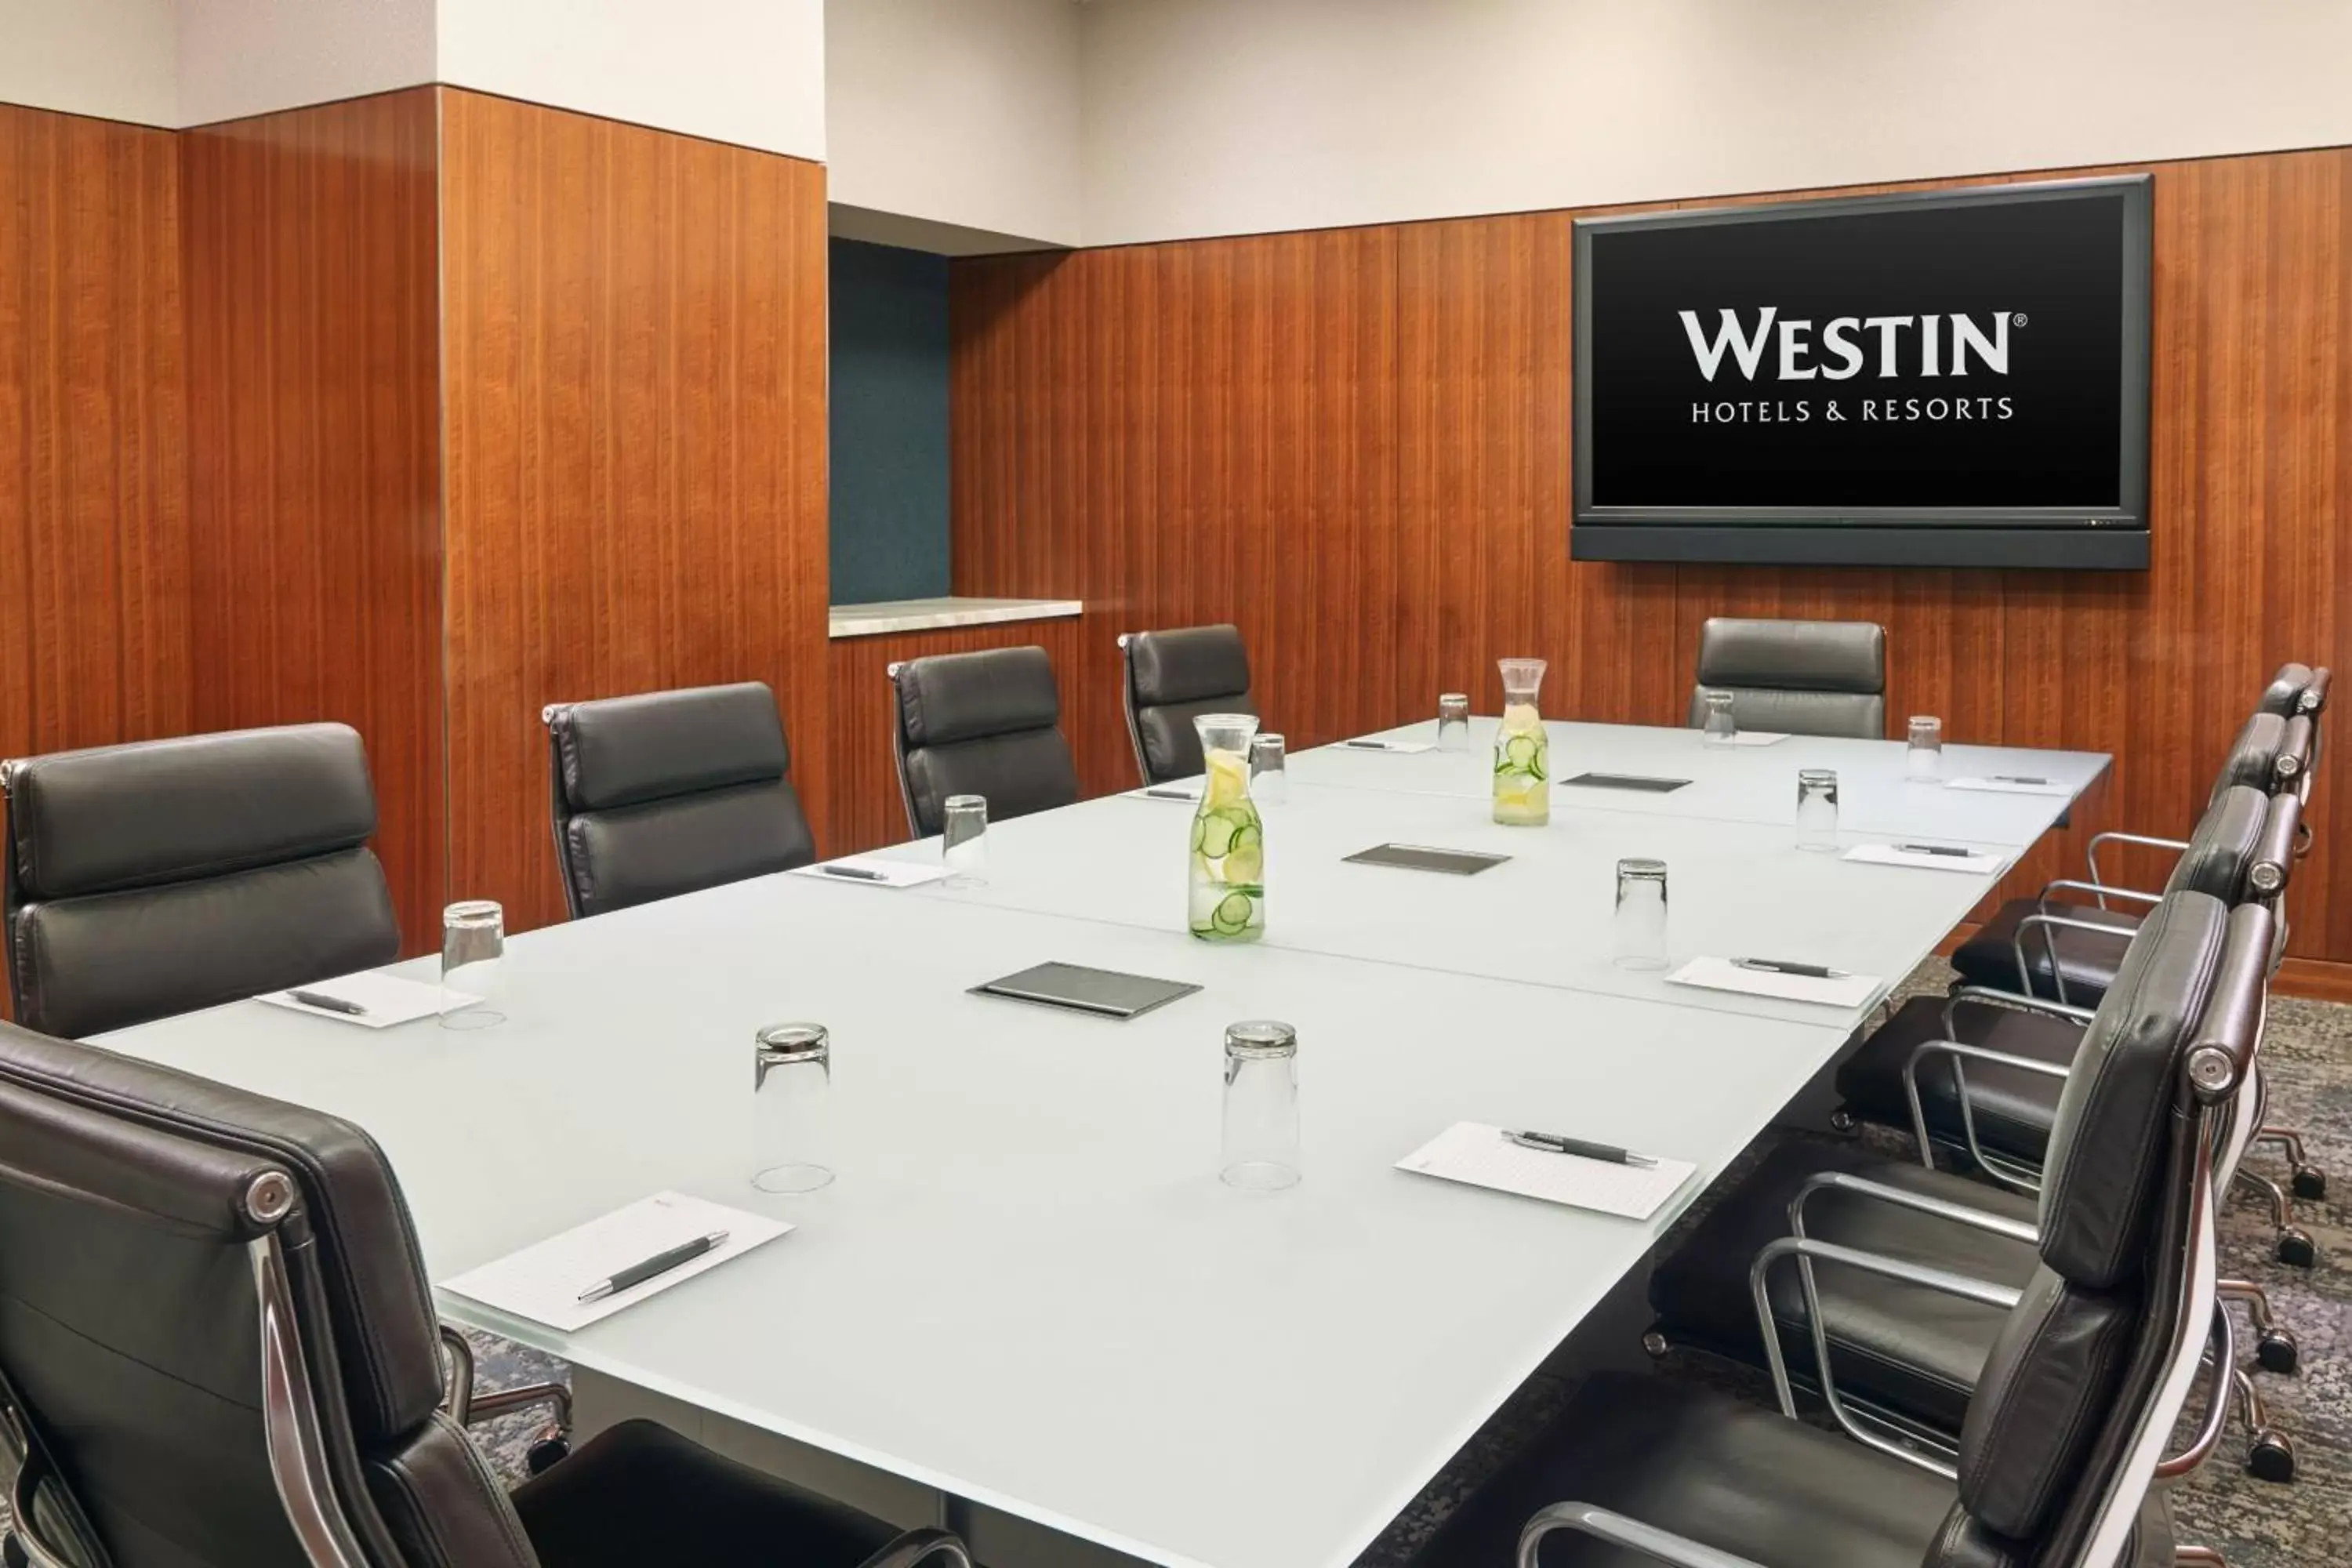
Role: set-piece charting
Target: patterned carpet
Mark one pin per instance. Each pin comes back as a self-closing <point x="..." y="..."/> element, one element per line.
<point x="2255" y="1523"/>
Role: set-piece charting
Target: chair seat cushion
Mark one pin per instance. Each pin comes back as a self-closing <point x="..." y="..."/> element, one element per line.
<point x="2014" y="1108"/>
<point x="1900" y="1348"/>
<point x="2088" y="959"/>
<point x="640" y="1495"/>
<point x="1730" y="1475"/>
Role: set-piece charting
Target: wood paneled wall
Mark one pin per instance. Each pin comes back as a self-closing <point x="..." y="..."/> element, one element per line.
<point x="93" y="435"/>
<point x="857" y="758"/>
<point x="635" y="436"/>
<point x="1355" y="444"/>
<point x="311" y="257"/>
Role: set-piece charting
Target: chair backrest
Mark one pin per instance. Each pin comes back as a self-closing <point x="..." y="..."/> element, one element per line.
<point x="671" y="791"/>
<point x="159" y="877"/>
<point x="215" y="1318"/>
<point x="2080" y="1363"/>
<point x="2284" y="695"/>
<point x="1801" y="677"/>
<point x="2252" y="757"/>
<point x="2222" y="849"/>
<point x="980" y="723"/>
<point x="1173" y="678"/>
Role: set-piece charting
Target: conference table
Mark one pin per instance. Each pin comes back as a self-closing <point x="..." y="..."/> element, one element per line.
<point x="1027" y="1297"/>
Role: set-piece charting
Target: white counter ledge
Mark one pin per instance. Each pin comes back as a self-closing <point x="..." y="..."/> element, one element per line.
<point x="932" y="615"/>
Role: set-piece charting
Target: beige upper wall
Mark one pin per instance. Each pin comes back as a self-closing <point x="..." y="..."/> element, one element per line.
<point x="242" y="57"/>
<point x="1208" y="117"/>
<point x="113" y="58"/>
<point x="746" y="71"/>
<point x="958" y="112"/>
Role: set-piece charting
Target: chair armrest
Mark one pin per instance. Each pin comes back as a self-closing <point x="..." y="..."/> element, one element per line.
<point x="2091" y="850"/>
<point x="933" y="1546"/>
<point x="1993" y="996"/>
<point x="2217" y="1407"/>
<point x="2051" y="924"/>
<point x="1618" y="1531"/>
<point x="466" y="1407"/>
<point x="1808" y="1250"/>
<point x="1922" y="1203"/>
<point x="2099" y="890"/>
<point x="1960" y="1052"/>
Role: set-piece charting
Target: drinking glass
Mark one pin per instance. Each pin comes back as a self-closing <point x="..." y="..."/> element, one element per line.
<point x="1721" y="730"/>
<point x="1640" y="927"/>
<point x="963" y="840"/>
<point x="792" y="1084"/>
<point x="473" y="943"/>
<point x="1923" y="762"/>
<point x="1269" y="775"/>
<point x="1817" y="803"/>
<point x="1453" y="721"/>
<point x="1261" y="1149"/>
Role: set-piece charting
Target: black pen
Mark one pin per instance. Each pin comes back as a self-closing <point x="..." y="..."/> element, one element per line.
<point x="1783" y="966"/>
<point x="1933" y="849"/>
<point x="326" y="1003"/>
<point x="853" y="872"/>
<point x="2014" y="778"/>
<point x="1554" y="1143"/>
<point x="1369" y="745"/>
<point x="1172" y="794"/>
<point x="660" y="1263"/>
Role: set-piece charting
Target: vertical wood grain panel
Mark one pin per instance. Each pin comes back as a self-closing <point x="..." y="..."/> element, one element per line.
<point x="1354" y="444"/>
<point x="94" y="628"/>
<point x="634" y="403"/>
<point x="311" y="254"/>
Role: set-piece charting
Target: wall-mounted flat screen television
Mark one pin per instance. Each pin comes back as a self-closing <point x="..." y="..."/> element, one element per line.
<point x="1947" y="378"/>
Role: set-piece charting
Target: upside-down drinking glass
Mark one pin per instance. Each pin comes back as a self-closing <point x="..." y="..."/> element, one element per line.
<point x="1269" y="772"/>
<point x="963" y="840"/>
<point x="792" y="1088"/>
<point x="1923" y="762"/>
<point x="1817" y="809"/>
<point x="1453" y="721"/>
<point x="473" y="948"/>
<point x="1722" y="729"/>
<point x="1261" y="1125"/>
<point x="1641" y="929"/>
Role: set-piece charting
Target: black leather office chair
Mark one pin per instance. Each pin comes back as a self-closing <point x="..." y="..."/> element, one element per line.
<point x="982" y="723"/>
<point x="159" y="877"/>
<point x="2063" y="958"/>
<point x="219" y="1346"/>
<point x="2243" y="849"/>
<point x="1173" y="678"/>
<point x="669" y="793"/>
<point x="1798" y="678"/>
<point x="2060" y="1447"/>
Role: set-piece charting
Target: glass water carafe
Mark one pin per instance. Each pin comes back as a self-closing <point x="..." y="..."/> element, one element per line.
<point x="1522" y="749"/>
<point x="1228" y="868"/>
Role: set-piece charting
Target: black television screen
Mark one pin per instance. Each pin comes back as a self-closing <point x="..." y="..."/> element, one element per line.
<point x="1950" y="378"/>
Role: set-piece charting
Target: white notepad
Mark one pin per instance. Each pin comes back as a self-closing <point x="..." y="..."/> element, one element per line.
<point x="543" y="1283"/>
<point x="1979" y="861"/>
<point x="872" y="872"/>
<point x="388" y="999"/>
<point x="1722" y="974"/>
<point x="1406" y="747"/>
<point x="2003" y="786"/>
<point x="1475" y="1152"/>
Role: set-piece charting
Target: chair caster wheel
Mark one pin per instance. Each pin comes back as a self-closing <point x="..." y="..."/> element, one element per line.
<point x="2277" y="1352"/>
<point x="2270" y="1458"/>
<point x="546" y="1454"/>
<point x="1654" y="1345"/>
<point x="2310" y="1182"/>
<point x="1843" y="1122"/>
<point x="2296" y="1246"/>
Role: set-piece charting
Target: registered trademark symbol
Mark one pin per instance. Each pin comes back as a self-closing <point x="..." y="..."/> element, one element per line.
<point x="2018" y="320"/>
